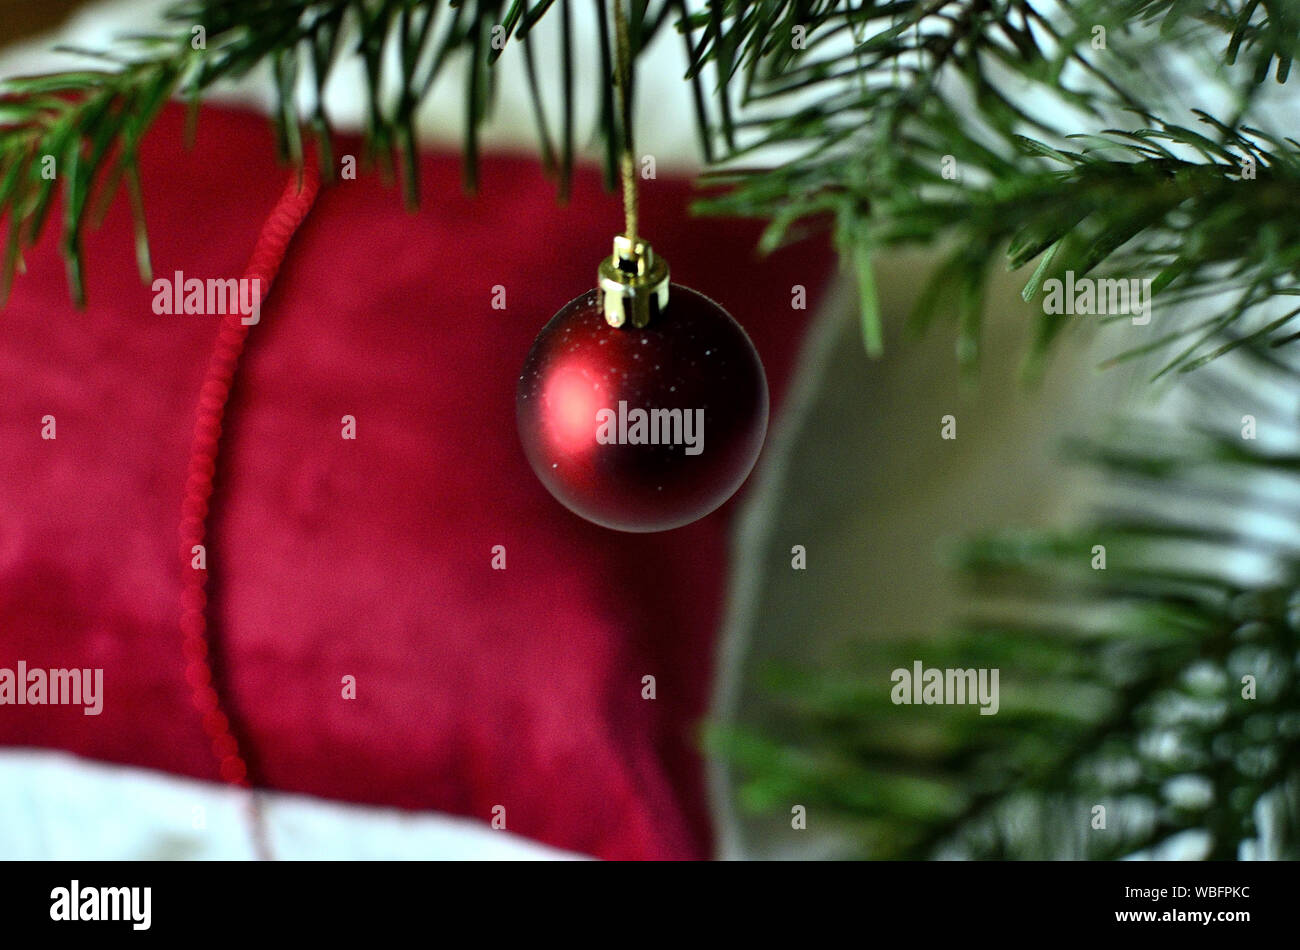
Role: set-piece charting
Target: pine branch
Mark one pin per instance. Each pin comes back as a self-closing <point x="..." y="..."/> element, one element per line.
<point x="948" y="122"/>
<point x="889" y="149"/>
<point x="1121" y="686"/>
<point x="80" y="130"/>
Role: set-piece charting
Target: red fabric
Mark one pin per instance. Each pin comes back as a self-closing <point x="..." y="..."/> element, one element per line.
<point x="368" y="558"/>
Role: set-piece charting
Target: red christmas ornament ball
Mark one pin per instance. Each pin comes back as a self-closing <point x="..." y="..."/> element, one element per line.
<point x="642" y="429"/>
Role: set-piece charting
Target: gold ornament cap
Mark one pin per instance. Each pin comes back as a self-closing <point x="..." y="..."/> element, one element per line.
<point x="633" y="282"/>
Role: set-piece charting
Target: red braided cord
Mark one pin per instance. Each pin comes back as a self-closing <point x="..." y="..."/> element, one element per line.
<point x="269" y="251"/>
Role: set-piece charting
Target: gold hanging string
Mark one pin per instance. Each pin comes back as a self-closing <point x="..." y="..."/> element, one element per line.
<point x="623" y="84"/>
<point x="633" y="281"/>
